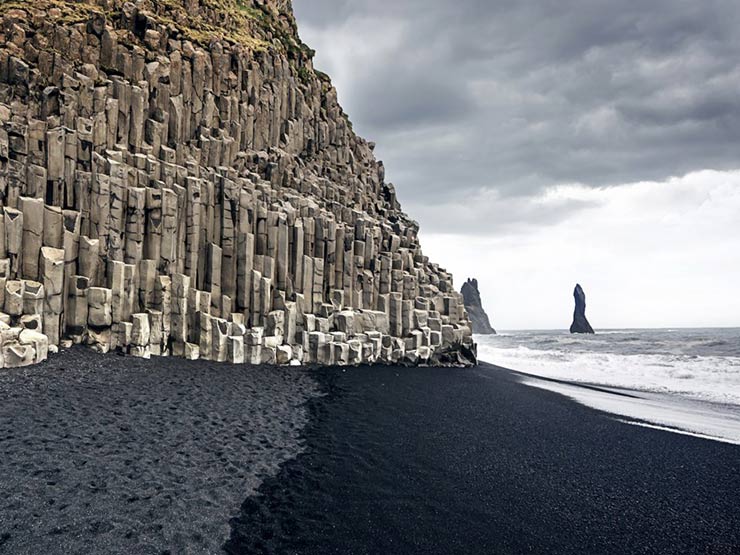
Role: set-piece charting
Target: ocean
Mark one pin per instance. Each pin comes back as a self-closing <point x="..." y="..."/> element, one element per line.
<point x="699" y="364"/>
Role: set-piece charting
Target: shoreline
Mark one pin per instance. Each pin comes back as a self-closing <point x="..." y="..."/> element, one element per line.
<point x="664" y="411"/>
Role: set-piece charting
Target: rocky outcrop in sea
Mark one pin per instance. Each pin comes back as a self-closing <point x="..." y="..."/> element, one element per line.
<point x="474" y="306"/>
<point x="580" y="323"/>
<point x="177" y="179"/>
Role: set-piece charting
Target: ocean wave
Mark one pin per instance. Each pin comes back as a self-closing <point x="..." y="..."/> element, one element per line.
<point x="708" y="378"/>
<point x="723" y="342"/>
<point x="716" y="343"/>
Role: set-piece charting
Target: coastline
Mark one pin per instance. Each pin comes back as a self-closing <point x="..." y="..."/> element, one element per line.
<point x="673" y="413"/>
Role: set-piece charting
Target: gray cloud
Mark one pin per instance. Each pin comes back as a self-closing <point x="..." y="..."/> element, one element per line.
<point x="516" y="215"/>
<point x="440" y="102"/>
<point x="469" y="96"/>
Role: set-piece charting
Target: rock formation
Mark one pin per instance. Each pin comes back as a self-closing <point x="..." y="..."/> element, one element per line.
<point x="176" y="178"/>
<point x="580" y="323"/>
<point x="474" y="307"/>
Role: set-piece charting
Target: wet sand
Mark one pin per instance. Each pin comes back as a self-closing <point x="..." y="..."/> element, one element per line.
<point x="709" y="420"/>
<point x="111" y="454"/>
<point x="435" y="461"/>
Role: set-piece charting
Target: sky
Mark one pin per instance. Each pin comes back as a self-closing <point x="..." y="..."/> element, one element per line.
<point x="541" y="143"/>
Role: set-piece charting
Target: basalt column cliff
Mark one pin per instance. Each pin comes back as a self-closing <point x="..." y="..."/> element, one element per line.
<point x="176" y="178"/>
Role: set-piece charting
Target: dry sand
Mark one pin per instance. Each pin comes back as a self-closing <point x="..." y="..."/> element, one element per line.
<point x="110" y="454"/>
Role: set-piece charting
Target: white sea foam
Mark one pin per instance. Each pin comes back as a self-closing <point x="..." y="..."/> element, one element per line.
<point x="693" y="364"/>
<point x="669" y="413"/>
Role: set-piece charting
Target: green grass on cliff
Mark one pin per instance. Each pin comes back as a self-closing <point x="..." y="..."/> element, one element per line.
<point x="64" y="11"/>
<point x="256" y="27"/>
<point x="231" y="20"/>
<point x="236" y="21"/>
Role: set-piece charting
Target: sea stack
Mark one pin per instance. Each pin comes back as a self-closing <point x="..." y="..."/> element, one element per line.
<point x="177" y="179"/>
<point x="580" y="323"/>
<point x="474" y="306"/>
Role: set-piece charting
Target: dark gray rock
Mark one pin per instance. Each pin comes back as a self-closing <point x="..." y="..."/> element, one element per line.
<point x="478" y="316"/>
<point x="580" y="323"/>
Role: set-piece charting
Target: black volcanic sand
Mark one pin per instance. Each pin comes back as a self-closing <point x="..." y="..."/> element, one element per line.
<point x="436" y="461"/>
<point x="110" y="454"/>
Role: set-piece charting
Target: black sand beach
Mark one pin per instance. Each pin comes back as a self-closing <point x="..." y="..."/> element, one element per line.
<point x="117" y="455"/>
<point x="112" y="454"/>
<point x="435" y="461"/>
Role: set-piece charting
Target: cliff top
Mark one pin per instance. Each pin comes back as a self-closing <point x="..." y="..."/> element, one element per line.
<point x="256" y="24"/>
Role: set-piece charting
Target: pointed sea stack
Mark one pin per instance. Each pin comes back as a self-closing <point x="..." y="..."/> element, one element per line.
<point x="478" y="316"/>
<point x="580" y="323"/>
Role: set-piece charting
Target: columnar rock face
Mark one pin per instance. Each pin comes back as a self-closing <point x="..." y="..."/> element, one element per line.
<point x="176" y="178"/>
<point x="474" y="307"/>
<point x="580" y="323"/>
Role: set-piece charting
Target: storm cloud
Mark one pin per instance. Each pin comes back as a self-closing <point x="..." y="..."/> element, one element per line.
<point x="473" y="102"/>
